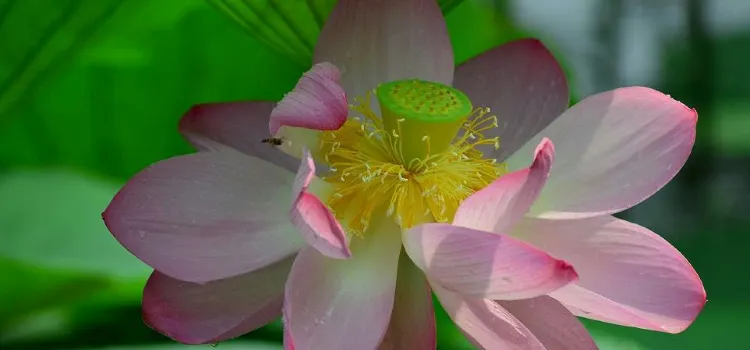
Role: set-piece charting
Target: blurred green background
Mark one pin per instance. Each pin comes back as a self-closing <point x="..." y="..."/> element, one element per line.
<point x="91" y="92"/>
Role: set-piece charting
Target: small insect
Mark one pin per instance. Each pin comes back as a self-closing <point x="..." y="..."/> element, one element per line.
<point x="273" y="141"/>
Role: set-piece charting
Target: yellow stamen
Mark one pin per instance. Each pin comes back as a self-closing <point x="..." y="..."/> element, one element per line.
<point x="370" y="172"/>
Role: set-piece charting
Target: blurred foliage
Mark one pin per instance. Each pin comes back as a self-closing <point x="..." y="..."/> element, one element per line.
<point x="91" y="92"/>
<point x="731" y="130"/>
<point x="288" y="27"/>
<point x="50" y="37"/>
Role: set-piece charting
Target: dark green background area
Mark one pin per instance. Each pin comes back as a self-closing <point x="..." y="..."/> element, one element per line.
<point x="91" y="92"/>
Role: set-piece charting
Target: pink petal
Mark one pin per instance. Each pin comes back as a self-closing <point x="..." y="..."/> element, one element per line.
<point x="486" y="323"/>
<point x="628" y="274"/>
<point x="240" y="125"/>
<point x="206" y="216"/>
<point x="335" y="304"/>
<point x="194" y="313"/>
<point x="373" y="42"/>
<point x="614" y="150"/>
<point x="483" y="264"/>
<point x="523" y="85"/>
<point x="412" y="323"/>
<point x="497" y="207"/>
<point x="317" y="102"/>
<point x="313" y="219"/>
<point x="551" y="323"/>
<point x="288" y="341"/>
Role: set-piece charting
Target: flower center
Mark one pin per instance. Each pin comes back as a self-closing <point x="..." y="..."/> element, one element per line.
<point x="417" y="162"/>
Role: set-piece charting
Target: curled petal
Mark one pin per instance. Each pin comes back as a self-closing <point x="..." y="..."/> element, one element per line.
<point x="194" y="313"/>
<point x="484" y="265"/>
<point x="206" y="216"/>
<point x="497" y="207"/>
<point x="628" y="274"/>
<point x="613" y="150"/>
<point x="313" y="219"/>
<point x="522" y="84"/>
<point x="318" y="102"/>
<point x="374" y="42"/>
<point x="335" y="304"/>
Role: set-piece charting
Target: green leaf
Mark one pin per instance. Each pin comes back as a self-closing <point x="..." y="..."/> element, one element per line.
<point x="610" y="342"/>
<point x="476" y="26"/>
<point x="116" y="110"/>
<point x="38" y="36"/>
<point x="55" y="221"/>
<point x="56" y="249"/>
<point x="289" y="27"/>
<point x="122" y="36"/>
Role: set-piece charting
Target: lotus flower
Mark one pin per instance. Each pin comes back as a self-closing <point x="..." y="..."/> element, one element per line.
<point x="406" y="178"/>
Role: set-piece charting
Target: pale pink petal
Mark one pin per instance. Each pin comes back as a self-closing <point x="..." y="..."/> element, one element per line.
<point x="486" y="324"/>
<point x="335" y="304"/>
<point x="313" y="219"/>
<point x="613" y="150"/>
<point x="497" y="207"/>
<point x="522" y="84"/>
<point x="318" y="102"/>
<point x="288" y="341"/>
<point x="206" y="216"/>
<point x="628" y="274"/>
<point x="483" y="264"/>
<point x="240" y="125"/>
<point x="412" y="323"/>
<point x="194" y="313"/>
<point x="377" y="41"/>
<point x="551" y="323"/>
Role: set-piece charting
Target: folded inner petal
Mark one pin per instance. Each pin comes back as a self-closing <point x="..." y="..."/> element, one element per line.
<point x="481" y="264"/>
<point x="318" y="102"/>
<point x="313" y="219"/>
<point x="206" y="216"/>
<point x="497" y="207"/>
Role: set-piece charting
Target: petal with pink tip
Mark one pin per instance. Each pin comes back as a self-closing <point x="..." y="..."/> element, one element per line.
<point x="318" y="102"/>
<point x="522" y="84"/>
<point x="412" y="323"/>
<point x="335" y="304"/>
<point x="486" y="324"/>
<point x="374" y="42"/>
<point x="206" y="216"/>
<point x="484" y="265"/>
<point x="497" y="207"/>
<point x="313" y="219"/>
<point x="240" y="125"/>
<point x="613" y="150"/>
<point x="628" y="274"/>
<point x="194" y="313"/>
<point x="288" y="341"/>
<point x="551" y="323"/>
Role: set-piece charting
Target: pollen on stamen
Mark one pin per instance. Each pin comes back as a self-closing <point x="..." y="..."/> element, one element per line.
<point x="411" y="190"/>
